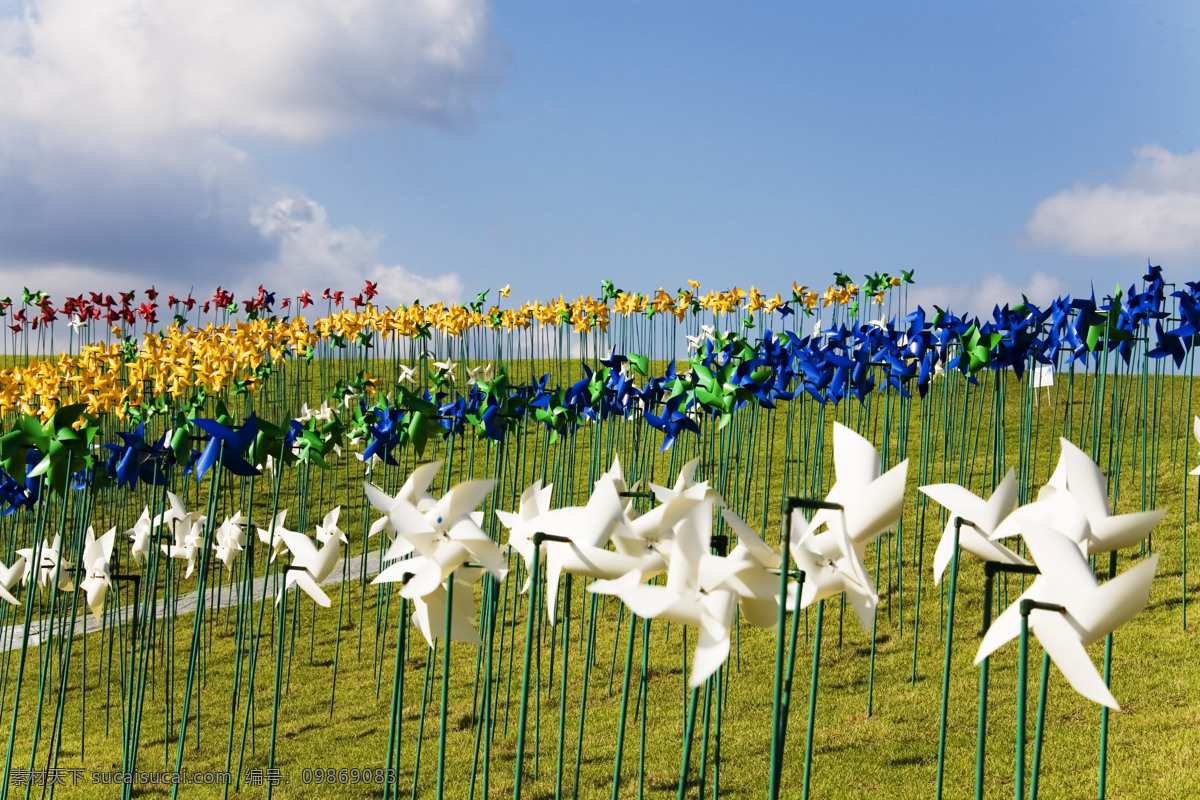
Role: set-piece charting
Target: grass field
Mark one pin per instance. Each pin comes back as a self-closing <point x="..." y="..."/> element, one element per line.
<point x="1154" y="744"/>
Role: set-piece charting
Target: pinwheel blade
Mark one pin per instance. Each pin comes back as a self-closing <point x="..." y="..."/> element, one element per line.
<point x="1061" y="641"/>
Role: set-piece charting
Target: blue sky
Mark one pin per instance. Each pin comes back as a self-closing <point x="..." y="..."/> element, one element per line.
<point x="446" y="147"/>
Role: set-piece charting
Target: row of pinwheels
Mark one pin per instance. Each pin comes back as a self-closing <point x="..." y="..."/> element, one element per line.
<point x="726" y="374"/>
<point x="851" y="359"/>
<point x="583" y="313"/>
<point x="433" y="538"/>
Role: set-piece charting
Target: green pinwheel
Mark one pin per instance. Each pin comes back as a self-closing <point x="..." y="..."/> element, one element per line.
<point x="64" y="442"/>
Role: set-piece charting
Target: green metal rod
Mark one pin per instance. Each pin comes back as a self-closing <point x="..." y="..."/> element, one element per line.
<point x="687" y="742"/>
<point x="990" y="570"/>
<point x="616" y="782"/>
<point x="1108" y="645"/>
<point x="562" y="688"/>
<point x="1041" y="723"/>
<point x="941" y="763"/>
<point x="1026" y="608"/>
<point x="279" y="645"/>
<point x="441" y="766"/>
<point x="530" y="620"/>
<point x="812" y="699"/>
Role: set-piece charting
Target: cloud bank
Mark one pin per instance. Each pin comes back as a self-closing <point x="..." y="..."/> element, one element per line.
<point x="116" y="123"/>
<point x="1152" y="211"/>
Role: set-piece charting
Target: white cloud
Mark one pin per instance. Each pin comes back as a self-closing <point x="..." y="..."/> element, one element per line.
<point x="981" y="296"/>
<point x="115" y="121"/>
<point x="1153" y="210"/>
<point x="125" y="70"/>
<point x="313" y="255"/>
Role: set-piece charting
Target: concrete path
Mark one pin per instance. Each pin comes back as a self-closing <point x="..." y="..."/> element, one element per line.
<point x="12" y="637"/>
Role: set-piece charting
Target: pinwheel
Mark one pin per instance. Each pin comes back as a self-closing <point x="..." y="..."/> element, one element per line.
<point x="534" y="502"/>
<point x="1074" y="502"/>
<point x="230" y="539"/>
<point x="311" y="566"/>
<point x="429" y="610"/>
<point x="96" y="578"/>
<point x="478" y="374"/>
<point x="227" y="446"/>
<point x="413" y="492"/>
<point x="139" y="535"/>
<point x="445" y="535"/>
<point x="8" y="579"/>
<point x="981" y="518"/>
<point x="186" y="529"/>
<point x="407" y="374"/>
<point x="702" y="590"/>
<point x="871" y="503"/>
<point x="328" y="528"/>
<point x="273" y="536"/>
<point x="52" y="568"/>
<point x="672" y="421"/>
<point x="832" y="564"/>
<point x="188" y="540"/>
<point x="579" y="533"/>
<point x="1091" y="610"/>
<point x="645" y="533"/>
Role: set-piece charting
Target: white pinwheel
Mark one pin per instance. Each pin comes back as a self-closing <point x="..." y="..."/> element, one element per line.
<point x="96" y="578"/>
<point x="139" y="536"/>
<point x="187" y="530"/>
<point x="590" y="526"/>
<point x="582" y="533"/>
<point x="982" y="517"/>
<point x="535" y="501"/>
<point x="870" y="503"/>
<point x="273" y="536"/>
<point x="429" y="610"/>
<point x="328" y="528"/>
<point x="414" y="492"/>
<point x="9" y="577"/>
<point x="230" y="539"/>
<point x="477" y="374"/>
<point x="311" y="566"/>
<point x="407" y="374"/>
<point x="1074" y="502"/>
<point x="179" y="520"/>
<point x="446" y="536"/>
<point x="52" y="567"/>
<point x="831" y="565"/>
<point x="701" y="590"/>
<point x="655" y="529"/>
<point x="1092" y="610"/>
